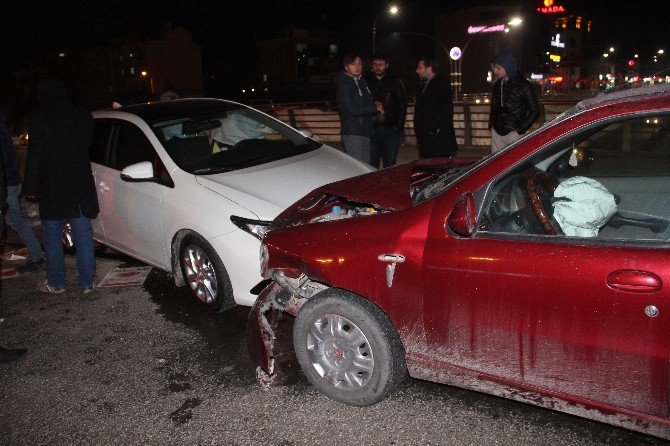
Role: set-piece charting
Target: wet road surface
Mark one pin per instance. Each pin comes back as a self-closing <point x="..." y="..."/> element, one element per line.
<point x="143" y="365"/>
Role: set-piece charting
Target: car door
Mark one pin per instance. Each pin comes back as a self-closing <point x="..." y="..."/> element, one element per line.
<point x="585" y="317"/>
<point x="131" y="212"/>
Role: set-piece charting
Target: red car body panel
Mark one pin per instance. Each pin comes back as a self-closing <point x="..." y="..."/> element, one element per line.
<point x="533" y="318"/>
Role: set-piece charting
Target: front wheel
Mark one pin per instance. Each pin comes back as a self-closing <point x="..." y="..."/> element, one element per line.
<point x="205" y="274"/>
<point x="348" y="348"/>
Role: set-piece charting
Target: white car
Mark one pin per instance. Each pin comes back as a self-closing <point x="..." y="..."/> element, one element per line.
<point x="187" y="186"/>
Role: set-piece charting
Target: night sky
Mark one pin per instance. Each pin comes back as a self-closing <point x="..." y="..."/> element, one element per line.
<point x="227" y="30"/>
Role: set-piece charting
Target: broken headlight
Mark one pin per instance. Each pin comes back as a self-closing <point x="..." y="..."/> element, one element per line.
<point x="257" y="228"/>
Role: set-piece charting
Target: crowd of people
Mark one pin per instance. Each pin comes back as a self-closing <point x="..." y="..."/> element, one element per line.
<point x="373" y="108"/>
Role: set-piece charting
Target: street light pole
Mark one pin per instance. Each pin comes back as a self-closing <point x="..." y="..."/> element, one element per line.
<point x="393" y="10"/>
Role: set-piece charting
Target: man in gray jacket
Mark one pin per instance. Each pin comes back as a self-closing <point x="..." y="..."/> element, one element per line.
<point x="356" y="108"/>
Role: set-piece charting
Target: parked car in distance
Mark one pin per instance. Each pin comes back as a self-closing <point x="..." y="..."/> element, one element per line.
<point x="540" y="273"/>
<point x="188" y="185"/>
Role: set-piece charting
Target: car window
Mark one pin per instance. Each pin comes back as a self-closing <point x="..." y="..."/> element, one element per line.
<point x="608" y="182"/>
<point x="129" y="146"/>
<point x="101" y="131"/>
<point x="229" y="140"/>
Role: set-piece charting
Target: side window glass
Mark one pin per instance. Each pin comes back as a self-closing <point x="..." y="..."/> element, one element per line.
<point x="101" y="131"/>
<point x="610" y="182"/>
<point x="130" y="146"/>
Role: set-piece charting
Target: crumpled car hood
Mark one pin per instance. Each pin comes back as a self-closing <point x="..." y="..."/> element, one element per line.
<point x="385" y="190"/>
<point x="389" y="188"/>
<point x="268" y="188"/>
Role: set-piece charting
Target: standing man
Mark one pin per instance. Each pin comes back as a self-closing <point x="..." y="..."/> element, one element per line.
<point x="434" y="112"/>
<point x="14" y="216"/>
<point x="514" y="105"/>
<point x="389" y="90"/>
<point x="7" y="354"/>
<point x="356" y="108"/>
<point x="58" y="172"/>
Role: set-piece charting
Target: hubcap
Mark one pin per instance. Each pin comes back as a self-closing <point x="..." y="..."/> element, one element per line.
<point x="340" y="352"/>
<point x="200" y="274"/>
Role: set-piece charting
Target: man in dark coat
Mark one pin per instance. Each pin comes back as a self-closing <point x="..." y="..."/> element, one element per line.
<point x="388" y="89"/>
<point x="58" y="172"/>
<point x="434" y="112"/>
<point x="514" y="105"/>
<point x="7" y="354"/>
<point x="14" y="215"/>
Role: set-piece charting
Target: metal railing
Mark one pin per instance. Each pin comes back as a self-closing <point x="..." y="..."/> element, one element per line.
<point x="470" y="120"/>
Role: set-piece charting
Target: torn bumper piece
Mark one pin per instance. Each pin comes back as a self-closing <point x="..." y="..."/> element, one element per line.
<point x="269" y="340"/>
<point x="264" y="318"/>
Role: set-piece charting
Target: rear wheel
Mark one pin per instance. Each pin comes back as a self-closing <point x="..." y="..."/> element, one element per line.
<point x="348" y="348"/>
<point x="205" y="274"/>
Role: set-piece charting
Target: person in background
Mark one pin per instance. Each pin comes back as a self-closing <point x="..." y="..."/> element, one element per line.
<point x="58" y="174"/>
<point x="356" y="108"/>
<point x="388" y="90"/>
<point x="7" y="354"/>
<point x="434" y="112"/>
<point x="514" y="104"/>
<point x="14" y="215"/>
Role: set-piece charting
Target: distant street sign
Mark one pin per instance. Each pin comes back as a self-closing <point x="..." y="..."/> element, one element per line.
<point x="455" y="53"/>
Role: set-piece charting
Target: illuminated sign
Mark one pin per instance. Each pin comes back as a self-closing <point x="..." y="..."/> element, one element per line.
<point x="486" y="29"/>
<point x="550" y="8"/>
<point x="536" y="76"/>
<point x="555" y="57"/>
<point x="556" y="41"/>
<point x="455" y="53"/>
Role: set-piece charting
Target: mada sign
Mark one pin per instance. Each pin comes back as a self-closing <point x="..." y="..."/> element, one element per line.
<point x="550" y="8"/>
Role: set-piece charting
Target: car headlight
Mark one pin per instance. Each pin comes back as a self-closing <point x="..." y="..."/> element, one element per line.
<point x="264" y="257"/>
<point x="257" y="228"/>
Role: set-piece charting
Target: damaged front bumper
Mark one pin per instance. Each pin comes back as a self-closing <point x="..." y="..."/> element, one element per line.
<point x="269" y="331"/>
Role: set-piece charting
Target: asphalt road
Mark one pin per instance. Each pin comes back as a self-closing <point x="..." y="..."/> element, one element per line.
<point x="142" y="365"/>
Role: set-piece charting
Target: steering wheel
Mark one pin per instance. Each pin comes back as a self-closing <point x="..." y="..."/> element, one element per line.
<point x="549" y="184"/>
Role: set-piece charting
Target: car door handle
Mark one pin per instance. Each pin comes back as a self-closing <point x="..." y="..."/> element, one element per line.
<point x="634" y="281"/>
<point x="103" y="187"/>
<point x="392" y="259"/>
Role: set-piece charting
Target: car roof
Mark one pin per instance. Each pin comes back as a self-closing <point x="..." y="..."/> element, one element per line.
<point x="152" y="112"/>
<point x="647" y="92"/>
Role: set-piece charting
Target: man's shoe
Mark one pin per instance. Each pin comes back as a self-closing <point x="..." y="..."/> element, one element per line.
<point x="11" y="354"/>
<point x="31" y="267"/>
<point x="89" y="290"/>
<point x="46" y="288"/>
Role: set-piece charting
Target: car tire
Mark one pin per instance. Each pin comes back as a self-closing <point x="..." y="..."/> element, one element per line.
<point x="361" y="360"/>
<point x="205" y="274"/>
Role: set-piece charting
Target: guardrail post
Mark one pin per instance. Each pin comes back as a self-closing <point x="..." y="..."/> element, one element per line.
<point x="467" y="130"/>
<point x="291" y="118"/>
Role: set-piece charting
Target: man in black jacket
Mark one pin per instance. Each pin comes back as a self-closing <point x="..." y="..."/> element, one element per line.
<point x="6" y="354"/>
<point x="434" y="112"/>
<point x="389" y="90"/>
<point x="58" y="172"/>
<point x="514" y="105"/>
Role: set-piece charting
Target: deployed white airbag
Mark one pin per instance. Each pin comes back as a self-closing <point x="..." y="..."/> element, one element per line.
<point x="582" y="206"/>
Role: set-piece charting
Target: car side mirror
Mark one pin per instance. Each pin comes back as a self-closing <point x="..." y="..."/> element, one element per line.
<point x="463" y="217"/>
<point x="138" y="172"/>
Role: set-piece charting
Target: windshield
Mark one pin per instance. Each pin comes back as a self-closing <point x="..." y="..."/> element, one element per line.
<point x="228" y="140"/>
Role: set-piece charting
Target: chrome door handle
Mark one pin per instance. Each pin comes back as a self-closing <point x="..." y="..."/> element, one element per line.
<point x="103" y="187"/>
<point x="392" y="259"/>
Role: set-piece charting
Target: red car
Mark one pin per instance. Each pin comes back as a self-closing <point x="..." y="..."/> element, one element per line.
<point x="540" y="273"/>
